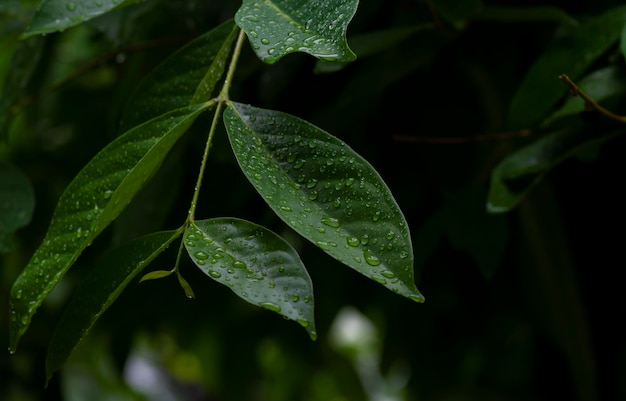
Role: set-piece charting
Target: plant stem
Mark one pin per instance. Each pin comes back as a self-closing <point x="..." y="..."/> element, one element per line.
<point x="590" y="104"/>
<point x="223" y="97"/>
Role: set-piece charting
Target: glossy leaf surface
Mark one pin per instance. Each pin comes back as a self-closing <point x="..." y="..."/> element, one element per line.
<point x="99" y="290"/>
<point x="187" y="77"/>
<point x="58" y="15"/>
<point x="17" y="202"/>
<point x="256" y="264"/>
<point x="91" y="201"/>
<point x="326" y="192"/>
<point x="279" y="27"/>
<point x="517" y="174"/>
<point x="571" y="54"/>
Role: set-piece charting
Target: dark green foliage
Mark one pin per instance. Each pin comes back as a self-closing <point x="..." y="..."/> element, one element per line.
<point x="291" y="161"/>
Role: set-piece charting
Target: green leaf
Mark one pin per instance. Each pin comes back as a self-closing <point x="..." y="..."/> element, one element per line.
<point x="256" y="264"/>
<point x="58" y="15"/>
<point x="326" y="192"/>
<point x="526" y="14"/>
<point x="277" y="28"/>
<point x="571" y="54"/>
<point x="519" y="172"/>
<point x="187" y="77"/>
<point x="92" y="200"/>
<point x="99" y="290"/>
<point x="17" y="202"/>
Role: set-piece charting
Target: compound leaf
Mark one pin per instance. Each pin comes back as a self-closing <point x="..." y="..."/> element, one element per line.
<point x="326" y="192"/>
<point x="256" y="264"/>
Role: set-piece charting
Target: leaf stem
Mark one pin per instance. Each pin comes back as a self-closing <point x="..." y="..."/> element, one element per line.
<point x="223" y="97"/>
<point x="590" y="104"/>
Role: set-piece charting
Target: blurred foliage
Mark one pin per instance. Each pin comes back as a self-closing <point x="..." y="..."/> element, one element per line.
<point x="523" y="304"/>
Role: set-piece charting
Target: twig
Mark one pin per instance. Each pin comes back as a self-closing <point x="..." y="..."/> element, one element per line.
<point x="590" y="104"/>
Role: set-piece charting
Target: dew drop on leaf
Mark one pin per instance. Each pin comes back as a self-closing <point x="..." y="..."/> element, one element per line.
<point x="270" y="306"/>
<point x="371" y="259"/>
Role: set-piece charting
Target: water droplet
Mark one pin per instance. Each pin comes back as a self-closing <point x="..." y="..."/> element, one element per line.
<point x="353" y="241"/>
<point x="254" y="34"/>
<point x="270" y="306"/>
<point x="201" y="255"/>
<point x="404" y="254"/>
<point x="298" y="164"/>
<point x="107" y="194"/>
<point x="387" y="273"/>
<point x="365" y="239"/>
<point x="311" y="183"/>
<point x="295" y="297"/>
<point x="71" y="6"/>
<point x="303" y="322"/>
<point x="330" y="221"/>
<point x="239" y="264"/>
<point x="272" y="285"/>
<point x="376" y="216"/>
<point x="215" y="274"/>
<point x="416" y="298"/>
<point x="18" y="295"/>
<point x="265" y="41"/>
<point x="321" y="230"/>
<point x="371" y="259"/>
<point x="286" y="209"/>
<point x="378" y="279"/>
<point x="323" y="245"/>
<point x="391" y="235"/>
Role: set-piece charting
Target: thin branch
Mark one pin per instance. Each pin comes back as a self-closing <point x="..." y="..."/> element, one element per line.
<point x="590" y="104"/>
<point x="463" y="140"/>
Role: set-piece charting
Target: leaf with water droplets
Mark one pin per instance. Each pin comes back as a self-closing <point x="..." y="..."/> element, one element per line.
<point x="99" y="290"/>
<point x="276" y="28"/>
<point x="95" y="197"/>
<point x="186" y="77"/>
<point x="256" y="264"/>
<point x="17" y="202"/>
<point x="58" y="15"/>
<point x="326" y="192"/>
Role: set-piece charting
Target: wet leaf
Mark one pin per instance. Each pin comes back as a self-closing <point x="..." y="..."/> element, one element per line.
<point x="58" y="15"/>
<point x="99" y="290"/>
<point x="518" y="173"/>
<point x="256" y="264"/>
<point x="277" y="28"/>
<point x="17" y="202"/>
<point x="570" y="54"/>
<point x="91" y="201"/>
<point x="326" y="192"/>
<point x="187" y="77"/>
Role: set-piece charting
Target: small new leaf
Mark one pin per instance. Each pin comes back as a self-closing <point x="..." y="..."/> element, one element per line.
<point x="276" y="28"/>
<point x="157" y="274"/>
<point x="326" y="192"/>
